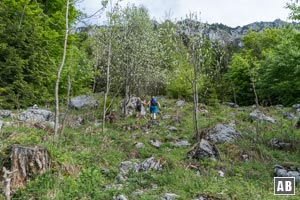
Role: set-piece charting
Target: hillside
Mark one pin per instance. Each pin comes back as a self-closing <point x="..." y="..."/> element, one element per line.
<point x="226" y="34"/>
<point x="144" y="159"/>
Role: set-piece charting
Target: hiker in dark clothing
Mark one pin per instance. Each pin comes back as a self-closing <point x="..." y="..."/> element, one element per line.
<point x="138" y="107"/>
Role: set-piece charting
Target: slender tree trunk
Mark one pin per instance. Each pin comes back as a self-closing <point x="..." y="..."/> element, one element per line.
<point x="56" y="125"/>
<point x="255" y="94"/>
<point x="196" y="119"/>
<point x="107" y="82"/>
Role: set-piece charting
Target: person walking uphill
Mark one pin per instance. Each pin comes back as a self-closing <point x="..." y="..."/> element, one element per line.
<point x="153" y="106"/>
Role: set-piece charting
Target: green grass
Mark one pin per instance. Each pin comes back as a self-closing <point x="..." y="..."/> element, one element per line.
<point x="79" y="156"/>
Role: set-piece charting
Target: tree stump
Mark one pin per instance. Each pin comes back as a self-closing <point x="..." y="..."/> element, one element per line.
<point x="26" y="162"/>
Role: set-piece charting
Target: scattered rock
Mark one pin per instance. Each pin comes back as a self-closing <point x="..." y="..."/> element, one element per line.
<point x="1" y="124"/>
<point x="222" y="133"/>
<point x="33" y="114"/>
<point x="275" y="143"/>
<point x="83" y="102"/>
<point x="279" y="106"/>
<point x="105" y="171"/>
<point x="245" y="156"/>
<point x="203" y="149"/>
<point x="258" y="115"/>
<point x="151" y="164"/>
<point x="162" y="99"/>
<point x="155" y="143"/>
<point x="5" y="113"/>
<point x="296" y="106"/>
<point x="298" y="112"/>
<point x="153" y="122"/>
<point x="166" y="117"/>
<point x="76" y="122"/>
<point x="127" y="166"/>
<point x="289" y="115"/>
<point x="180" y="103"/>
<point x="181" y="143"/>
<point x="232" y="105"/>
<point x="290" y="171"/>
<point x="206" y="197"/>
<point x="114" y="187"/>
<point x="139" y="145"/>
<point x="169" y="196"/>
<point x="171" y="128"/>
<point x="221" y="173"/>
<point x="177" y="120"/>
<point x="121" y="197"/>
<point x="203" y="111"/>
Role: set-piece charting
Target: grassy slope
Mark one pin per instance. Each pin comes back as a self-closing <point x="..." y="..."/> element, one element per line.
<point x="82" y="153"/>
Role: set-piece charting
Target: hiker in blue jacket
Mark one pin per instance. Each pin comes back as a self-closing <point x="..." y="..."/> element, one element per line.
<point x="153" y="106"/>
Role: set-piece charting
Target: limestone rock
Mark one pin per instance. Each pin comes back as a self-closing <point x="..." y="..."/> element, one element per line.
<point x="151" y="164"/>
<point x="170" y="196"/>
<point x="33" y="114"/>
<point x="181" y="143"/>
<point x="204" y="149"/>
<point x="296" y="106"/>
<point x="121" y="197"/>
<point x="5" y="113"/>
<point x="127" y="166"/>
<point x="232" y="105"/>
<point x="258" y="115"/>
<point x="171" y="128"/>
<point x="139" y="145"/>
<point x="222" y="133"/>
<point x="155" y="143"/>
<point x="180" y="103"/>
<point x="83" y="102"/>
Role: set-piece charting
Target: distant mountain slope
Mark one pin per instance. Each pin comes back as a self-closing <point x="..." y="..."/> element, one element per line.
<point x="227" y="34"/>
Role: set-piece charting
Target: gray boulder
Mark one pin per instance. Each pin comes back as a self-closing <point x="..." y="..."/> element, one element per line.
<point x="180" y="103"/>
<point x="169" y="196"/>
<point x="121" y="197"/>
<point x="280" y="171"/>
<point x="298" y="112"/>
<point x="139" y="145"/>
<point x="259" y="116"/>
<point x="222" y="133"/>
<point x="130" y="106"/>
<point x="1" y="124"/>
<point x="296" y="106"/>
<point x="155" y="143"/>
<point x="181" y="143"/>
<point x="171" y="128"/>
<point x="83" y="102"/>
<point x="34" y="114"/>
<point x="151" y="164"/>
<point x="232" y="105"/>
<point x="289" y="115"/>
<point x="275" y="143"/>
<point x="127" y="166"/>
<point x="5" y="113"/>
<point x="204" y="149"/>
<point x="166" y="117"/>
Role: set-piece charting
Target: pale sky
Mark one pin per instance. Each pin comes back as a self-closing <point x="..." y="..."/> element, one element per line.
<point x="229" y="12"/>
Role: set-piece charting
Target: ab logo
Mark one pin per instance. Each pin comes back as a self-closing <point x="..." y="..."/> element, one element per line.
<point x="284" y="185"/>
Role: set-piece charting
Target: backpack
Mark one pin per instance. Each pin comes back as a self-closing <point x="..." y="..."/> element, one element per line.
<point x="153" y="102"/>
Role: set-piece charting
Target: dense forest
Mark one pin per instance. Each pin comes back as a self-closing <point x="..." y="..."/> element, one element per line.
<point x="143" y="57"/>
<point x="228" y="101"/>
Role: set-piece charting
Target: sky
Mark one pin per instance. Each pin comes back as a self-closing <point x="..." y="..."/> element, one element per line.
<point x="229" y="12"/>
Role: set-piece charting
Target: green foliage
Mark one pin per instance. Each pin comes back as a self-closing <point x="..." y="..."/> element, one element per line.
<point x="269" y="60"/>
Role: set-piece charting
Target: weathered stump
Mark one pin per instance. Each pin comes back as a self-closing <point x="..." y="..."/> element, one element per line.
<point x="26" y="162"/>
